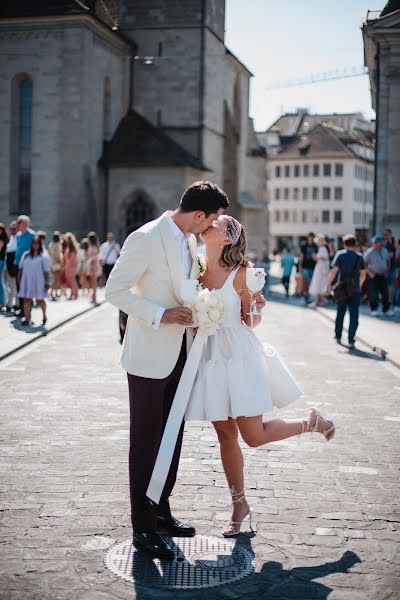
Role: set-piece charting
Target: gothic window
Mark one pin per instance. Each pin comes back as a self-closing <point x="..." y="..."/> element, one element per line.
<point x="139" y="211"/>
<point x="21" y="144"/>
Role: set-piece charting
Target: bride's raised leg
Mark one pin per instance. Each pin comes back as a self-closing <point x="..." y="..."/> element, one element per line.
<point x="233" y="464"/>
<point x="256" y="432"/>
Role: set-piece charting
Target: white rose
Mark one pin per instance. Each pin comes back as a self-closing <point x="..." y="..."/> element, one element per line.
<point x="200" y="307"/>
<point x="213" y="300"/>
<point x="214" y="314"/>
<point x="202" y="318"/>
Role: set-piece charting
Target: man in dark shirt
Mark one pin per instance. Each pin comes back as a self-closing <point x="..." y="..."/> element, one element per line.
<point x="391" y="248"/>
<point x="308" y="250"/>
<point x="348" y="264"/>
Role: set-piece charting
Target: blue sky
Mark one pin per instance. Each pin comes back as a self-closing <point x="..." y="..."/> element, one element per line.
<point x="280" y="41"/>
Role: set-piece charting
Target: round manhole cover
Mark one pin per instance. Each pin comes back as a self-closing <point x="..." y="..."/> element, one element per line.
<point x="200" y="561"/>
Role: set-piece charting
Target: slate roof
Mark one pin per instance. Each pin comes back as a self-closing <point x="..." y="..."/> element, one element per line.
<point x="50" y="8"/>
<point x="322" y="141"/>
<point x="138" y="143"/>
<point x="391" y="7"/>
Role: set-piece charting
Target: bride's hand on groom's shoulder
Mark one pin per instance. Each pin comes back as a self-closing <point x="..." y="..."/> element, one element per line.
<point x="177" y="316"/>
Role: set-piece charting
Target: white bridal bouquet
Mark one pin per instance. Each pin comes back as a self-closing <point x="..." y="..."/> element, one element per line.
<point x="207" y="306"/>
<point x="208" y="311"/>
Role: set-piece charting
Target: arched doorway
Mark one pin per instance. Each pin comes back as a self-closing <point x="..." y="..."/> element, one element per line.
<point x="139" y="209"/>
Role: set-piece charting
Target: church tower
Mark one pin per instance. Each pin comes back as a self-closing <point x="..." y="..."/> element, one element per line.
<point x="170" y="69"/>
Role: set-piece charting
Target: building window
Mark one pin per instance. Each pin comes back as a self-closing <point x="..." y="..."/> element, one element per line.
<point x="277" y="171"/>
<point x="339" y="170"/>
<point x="315" y="193"/>
<point x="21" y="144"/>
<point x="277" y="216"/>
<point x="287" y="170"/>
<point x="286" y="216"/>
<point x="327" y="169"/>
<point x="305" y="193"/>
<point x="326" y="193"/>
<point x="337" y="216"/>
<point x="286" y="193"/>
<point x="338" y="193"/>
<point x="296" y="170"/>
<point x="277" y="193"/>
<point x="294" y="216"/>
<point x="325" y="216"/>
<point x="315" y="170"/>
<point x="315" y="216"/>
<point x="139" y="209"/>
<point x="306" y="170"/>
<point x="295" y="193"/>
<point x="304" y="216"/>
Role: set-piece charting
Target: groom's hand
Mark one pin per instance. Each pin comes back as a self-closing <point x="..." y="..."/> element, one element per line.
<point x="178" y="315"/>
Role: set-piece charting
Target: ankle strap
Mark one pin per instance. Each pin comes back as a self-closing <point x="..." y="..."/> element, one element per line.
<point x="237" y="496"/>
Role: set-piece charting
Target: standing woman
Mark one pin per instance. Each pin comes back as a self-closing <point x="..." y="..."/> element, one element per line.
<point x="83" y="256"/>
<point x="56" y="262"/>
<point x="33" y="277"/>
<point x="321" y="272"/>
<point x="3" y="247"/>
<point x="93" y="265"/>
<point x="71" y="264"/>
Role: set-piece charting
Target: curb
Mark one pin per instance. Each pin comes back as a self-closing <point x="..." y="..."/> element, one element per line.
<point x="41" y="334"/>
<point x="384" y="354"/>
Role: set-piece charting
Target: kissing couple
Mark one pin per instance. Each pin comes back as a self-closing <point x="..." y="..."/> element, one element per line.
<point x="237" y="378"/>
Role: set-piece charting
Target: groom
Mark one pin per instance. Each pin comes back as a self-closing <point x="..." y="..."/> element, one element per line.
<point x="145" y="284"/>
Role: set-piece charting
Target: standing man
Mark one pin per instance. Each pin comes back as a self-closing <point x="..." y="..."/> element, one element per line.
<point x="24" y="239"/>
<point x="391" y="248"/>
<point x="348" y="265"/>
<point x="377" y="261"/>
<point x="287" y="264"/>
<point x="308" y="251"/>
<point x="11" y="270"/>
<point x="145" y="284"/>
<point x="109" y="252"/>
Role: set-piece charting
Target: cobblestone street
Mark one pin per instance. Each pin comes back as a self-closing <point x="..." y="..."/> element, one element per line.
<point x="327" y="514"/>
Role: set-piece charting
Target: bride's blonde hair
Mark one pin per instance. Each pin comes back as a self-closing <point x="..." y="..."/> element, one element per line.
<point x="234" y="255"/>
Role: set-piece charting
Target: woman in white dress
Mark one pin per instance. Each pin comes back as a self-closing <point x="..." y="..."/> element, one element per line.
<point x="234" y="363"/>
<point x="321" y="272"/>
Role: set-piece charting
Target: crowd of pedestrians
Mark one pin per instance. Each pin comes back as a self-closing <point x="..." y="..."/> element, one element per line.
<point x="349" y="277"/>
<point x="32" y="271"/>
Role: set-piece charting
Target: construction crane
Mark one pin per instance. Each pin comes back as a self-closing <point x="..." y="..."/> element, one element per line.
<point x="320" y="77"/>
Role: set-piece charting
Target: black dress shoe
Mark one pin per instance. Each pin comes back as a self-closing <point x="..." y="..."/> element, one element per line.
<point x="154" y="544"/>
<point x="175" y="527"/>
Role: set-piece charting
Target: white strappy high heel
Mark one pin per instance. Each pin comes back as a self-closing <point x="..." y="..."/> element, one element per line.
<point x="238" y="497"/>
<point x="306" y="424"/>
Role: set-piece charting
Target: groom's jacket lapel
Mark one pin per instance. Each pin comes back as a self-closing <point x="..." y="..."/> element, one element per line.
<point x="192" y="243"/>
<point x="172" y="254"/>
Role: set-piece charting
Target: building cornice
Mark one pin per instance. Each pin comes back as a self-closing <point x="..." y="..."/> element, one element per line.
<point x="22" y="23"/>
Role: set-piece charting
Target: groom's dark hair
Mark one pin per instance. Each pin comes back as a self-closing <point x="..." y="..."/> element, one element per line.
<point x="205" y="196"/>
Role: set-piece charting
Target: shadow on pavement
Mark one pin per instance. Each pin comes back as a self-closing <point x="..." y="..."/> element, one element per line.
<point x="279" y="583"/>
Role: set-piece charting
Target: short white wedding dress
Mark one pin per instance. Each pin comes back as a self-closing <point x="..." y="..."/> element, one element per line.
<point x="238" y="375"/>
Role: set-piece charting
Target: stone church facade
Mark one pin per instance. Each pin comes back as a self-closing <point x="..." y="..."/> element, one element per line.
<point x="381" y="35"/>
<point x="108" y="110"/>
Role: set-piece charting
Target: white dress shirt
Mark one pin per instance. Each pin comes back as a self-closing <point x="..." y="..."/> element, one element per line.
<point x="182" y="241"/>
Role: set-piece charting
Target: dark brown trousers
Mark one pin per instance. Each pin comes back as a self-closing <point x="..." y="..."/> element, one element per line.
<point x="150" y="401"/>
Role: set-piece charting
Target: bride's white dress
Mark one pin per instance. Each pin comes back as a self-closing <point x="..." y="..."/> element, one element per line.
<point x="238" y="375"/>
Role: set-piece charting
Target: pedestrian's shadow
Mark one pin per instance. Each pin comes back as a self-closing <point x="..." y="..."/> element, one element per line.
<point x="281" y="583"/>
<point x="16" y="323"/>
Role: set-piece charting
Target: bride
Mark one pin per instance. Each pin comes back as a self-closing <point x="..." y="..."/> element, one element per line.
<point x="239" y="378"/>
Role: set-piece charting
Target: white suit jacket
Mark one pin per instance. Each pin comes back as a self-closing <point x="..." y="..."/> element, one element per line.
<point x="148" y="275"/>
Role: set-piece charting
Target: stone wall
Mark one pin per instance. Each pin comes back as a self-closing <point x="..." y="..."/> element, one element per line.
<point x="67" y="61"/>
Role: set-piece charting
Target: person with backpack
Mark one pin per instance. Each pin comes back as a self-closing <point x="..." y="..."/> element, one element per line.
<point x="348" y="265"/>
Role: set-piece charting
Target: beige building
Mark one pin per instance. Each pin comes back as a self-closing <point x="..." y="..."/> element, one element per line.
<point x="381" y="34"/>
<point x="322" y="181"/>
<point x="108" y="110"/>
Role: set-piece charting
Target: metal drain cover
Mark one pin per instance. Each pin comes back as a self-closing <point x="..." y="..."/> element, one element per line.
<point x="200" y="561"/>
